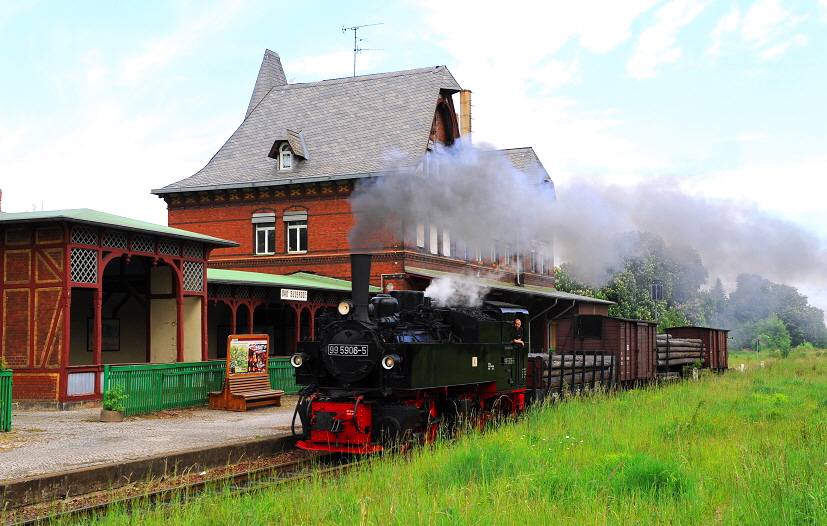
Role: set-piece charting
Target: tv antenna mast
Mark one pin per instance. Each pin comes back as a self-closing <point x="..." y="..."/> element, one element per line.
<point x="356" y="48"/>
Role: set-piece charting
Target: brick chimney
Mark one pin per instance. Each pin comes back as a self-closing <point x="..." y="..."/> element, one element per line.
<point x="464" y="112"/>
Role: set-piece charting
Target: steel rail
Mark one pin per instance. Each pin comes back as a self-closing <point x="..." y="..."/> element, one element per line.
<point x="235" y="484"/>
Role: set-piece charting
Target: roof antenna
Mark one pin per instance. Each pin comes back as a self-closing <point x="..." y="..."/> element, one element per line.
<point x="356" y="48"/>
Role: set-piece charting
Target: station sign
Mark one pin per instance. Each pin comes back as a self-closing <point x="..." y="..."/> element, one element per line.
<point x="294" y="295"/>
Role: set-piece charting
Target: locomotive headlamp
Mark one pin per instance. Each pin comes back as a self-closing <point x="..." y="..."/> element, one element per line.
<point x="389" y="361"/>
<point x="298" y="359"/>
<point x="345" y="307"/>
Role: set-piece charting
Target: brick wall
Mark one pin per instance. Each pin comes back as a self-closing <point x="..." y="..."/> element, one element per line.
<point x="329" y="221"/>
<point x="33" y="387"/>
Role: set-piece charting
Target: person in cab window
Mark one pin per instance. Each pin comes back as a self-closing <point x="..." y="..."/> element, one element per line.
<point x="518" y="332"/>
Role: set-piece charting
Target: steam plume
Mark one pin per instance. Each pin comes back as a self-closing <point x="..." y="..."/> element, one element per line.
<point x="479" y="196"/>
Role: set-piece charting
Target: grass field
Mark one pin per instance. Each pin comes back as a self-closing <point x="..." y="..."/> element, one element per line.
<point x="741" y="448"/>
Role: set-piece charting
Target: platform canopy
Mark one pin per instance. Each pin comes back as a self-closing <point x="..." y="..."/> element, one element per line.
<point x="87" y="216"/>
<point x="299" y="279"/>
<point x="531" y="290"/>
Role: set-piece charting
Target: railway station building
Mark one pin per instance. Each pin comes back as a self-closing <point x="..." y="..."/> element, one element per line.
<point x="281" y="187"/>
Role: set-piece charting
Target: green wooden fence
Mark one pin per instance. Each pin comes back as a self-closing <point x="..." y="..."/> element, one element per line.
<point x="157" y="386"/>
<point x="5" y="400"/>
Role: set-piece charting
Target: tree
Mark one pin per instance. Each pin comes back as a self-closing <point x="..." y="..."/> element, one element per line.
<point x="771" y="334"/>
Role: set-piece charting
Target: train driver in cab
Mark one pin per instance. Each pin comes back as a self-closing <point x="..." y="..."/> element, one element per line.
<point x="518" y="332"/>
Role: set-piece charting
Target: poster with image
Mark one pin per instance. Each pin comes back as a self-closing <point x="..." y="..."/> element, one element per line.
<point x="247" y="354"/>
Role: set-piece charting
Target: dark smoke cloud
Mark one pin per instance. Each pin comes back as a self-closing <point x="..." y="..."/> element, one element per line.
<point x="480" y="197"/>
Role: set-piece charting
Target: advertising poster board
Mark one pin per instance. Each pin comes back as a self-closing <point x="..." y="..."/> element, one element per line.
<point x="247" y="354"/>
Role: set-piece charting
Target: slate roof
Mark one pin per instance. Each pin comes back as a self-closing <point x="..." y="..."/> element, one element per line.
<point x="87" y="216"/>
<point x="351" y="127"/>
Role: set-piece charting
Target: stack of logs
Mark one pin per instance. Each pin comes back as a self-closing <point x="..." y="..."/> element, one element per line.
<point x="678" y="351"/>
<point x="576" y="369"/>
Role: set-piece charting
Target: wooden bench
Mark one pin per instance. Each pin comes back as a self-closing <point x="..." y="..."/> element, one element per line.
<point x="243" y="391"/>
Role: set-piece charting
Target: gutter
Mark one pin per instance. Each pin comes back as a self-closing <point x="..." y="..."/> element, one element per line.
<point x="278" y="182"/>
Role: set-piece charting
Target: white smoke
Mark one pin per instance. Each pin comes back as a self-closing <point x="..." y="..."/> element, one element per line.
<point x="482" y="198"/>
<point x="456" y="291"/>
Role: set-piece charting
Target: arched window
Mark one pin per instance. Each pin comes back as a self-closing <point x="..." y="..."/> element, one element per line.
<point x="285" y="157"/>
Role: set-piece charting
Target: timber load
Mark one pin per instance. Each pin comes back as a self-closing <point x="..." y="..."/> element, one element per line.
<point x="678" y="351"/>
<point x="574" y="371"/>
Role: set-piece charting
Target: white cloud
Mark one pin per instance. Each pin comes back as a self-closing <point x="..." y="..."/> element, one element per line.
<point x="763" y="28"/>
<point x="726" y="25"/>
<point x="763" y="21"/>
<point x="183" y="39"/>
<point x="786" y="189"/>
<point x="554" y="74"/>
<point x="656" y="44"/>
<point x="331" y="65"/>
<point x="798" y="40"/>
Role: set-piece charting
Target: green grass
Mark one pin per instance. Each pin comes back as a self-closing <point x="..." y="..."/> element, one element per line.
<point x="741" y="448"/>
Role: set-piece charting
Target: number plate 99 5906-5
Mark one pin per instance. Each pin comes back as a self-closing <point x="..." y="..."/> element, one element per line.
<point x="334" y="349"/>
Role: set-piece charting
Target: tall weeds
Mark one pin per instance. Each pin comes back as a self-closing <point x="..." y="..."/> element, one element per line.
<point x="741" y="448"/>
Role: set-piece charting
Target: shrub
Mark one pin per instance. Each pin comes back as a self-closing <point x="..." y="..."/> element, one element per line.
<point x="114" y="397"/>
<point x="805" y="347"/>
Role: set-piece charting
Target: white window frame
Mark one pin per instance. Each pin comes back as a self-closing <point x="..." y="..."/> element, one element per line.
<point x="264" y="225"/>
<point x="266" y="235"/>
<point x="295" y="231"/>
<point x="285" y="157"/>
<point x="433" y="244"/>
<point x="420" y="235"/>
<point x="294" y="235"/>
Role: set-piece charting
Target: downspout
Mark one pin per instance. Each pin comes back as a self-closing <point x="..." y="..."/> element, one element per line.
<point x="573" y="303"/>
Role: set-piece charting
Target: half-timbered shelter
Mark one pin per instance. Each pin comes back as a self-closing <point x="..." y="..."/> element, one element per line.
<point x="81" y="289"/>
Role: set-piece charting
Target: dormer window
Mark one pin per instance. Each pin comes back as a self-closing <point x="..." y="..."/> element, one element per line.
<point x="288" y="150"/>
<point x="285" y="157"/>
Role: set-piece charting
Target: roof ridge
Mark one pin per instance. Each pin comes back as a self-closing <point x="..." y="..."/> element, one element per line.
<point x="364" y="78"/>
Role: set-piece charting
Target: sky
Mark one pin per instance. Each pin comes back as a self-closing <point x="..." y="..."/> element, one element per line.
<point x="101" y="102"/>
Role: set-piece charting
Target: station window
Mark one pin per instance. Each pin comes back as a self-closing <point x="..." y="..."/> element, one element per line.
<point x="265" y="233"/>
<point x="296" y="227"/>
<point x="285" y="157"/>
<point x="446" y="242"/>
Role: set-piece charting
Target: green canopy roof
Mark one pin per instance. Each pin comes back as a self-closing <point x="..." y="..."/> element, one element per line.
<point x="93" y="217"/>
<point x="499" y="285"/>
<point x="299" y="280"/>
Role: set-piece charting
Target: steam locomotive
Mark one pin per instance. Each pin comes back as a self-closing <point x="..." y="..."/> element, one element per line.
<point x="392" y="368"/>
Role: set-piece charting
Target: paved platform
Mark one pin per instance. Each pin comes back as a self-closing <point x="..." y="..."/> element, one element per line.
<point x="49" y="442"/>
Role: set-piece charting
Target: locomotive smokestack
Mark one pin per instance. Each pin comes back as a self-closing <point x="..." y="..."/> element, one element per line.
<point x="360" y="284"/>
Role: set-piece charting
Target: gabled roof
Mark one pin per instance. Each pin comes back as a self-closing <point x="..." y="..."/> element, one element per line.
<point x="87" y="216"/>
<point x="351" y="127"/>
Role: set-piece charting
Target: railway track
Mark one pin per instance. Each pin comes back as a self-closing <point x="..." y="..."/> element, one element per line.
<point x="180" y="492"/>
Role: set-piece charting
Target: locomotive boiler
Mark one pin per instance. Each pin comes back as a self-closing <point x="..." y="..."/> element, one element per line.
<point x="392" y="368"/>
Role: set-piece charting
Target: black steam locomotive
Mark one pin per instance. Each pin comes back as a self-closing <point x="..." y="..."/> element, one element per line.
<point x="392" y="368"/>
